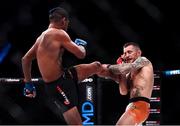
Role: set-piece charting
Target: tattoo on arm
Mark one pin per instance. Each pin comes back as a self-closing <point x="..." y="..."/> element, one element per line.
<point x="139" y="63"/>
<point x="120" y="68"/>
<point x="128" y="67"/>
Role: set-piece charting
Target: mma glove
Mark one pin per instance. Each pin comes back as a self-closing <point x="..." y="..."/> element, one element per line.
<point x="120" y="60"/>
<point x="80" y="42"/>
<point x="29" y="89"/>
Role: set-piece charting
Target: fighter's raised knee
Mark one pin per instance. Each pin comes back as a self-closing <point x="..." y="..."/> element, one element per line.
<point x="97" y="63"/>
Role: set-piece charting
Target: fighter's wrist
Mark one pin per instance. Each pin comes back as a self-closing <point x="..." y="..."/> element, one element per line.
<point x="27" y="80"/>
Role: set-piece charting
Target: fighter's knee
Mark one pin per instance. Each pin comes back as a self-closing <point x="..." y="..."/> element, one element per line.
<point x="97" y="63"/>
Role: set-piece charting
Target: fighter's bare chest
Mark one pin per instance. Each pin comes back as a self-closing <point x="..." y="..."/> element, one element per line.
<point x="133" y="78"/>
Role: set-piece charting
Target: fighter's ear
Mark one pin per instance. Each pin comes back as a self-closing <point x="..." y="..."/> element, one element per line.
<point x="63" y="20"/>
<point x="139" y="52"/>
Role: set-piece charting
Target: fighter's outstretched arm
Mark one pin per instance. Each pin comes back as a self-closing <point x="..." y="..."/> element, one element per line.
<point x="127" y="67"/>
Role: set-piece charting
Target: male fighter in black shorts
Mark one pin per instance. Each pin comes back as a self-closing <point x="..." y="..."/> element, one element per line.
<point x="60" y="83"/>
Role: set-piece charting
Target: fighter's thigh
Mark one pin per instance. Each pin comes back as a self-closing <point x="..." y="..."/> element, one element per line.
<point x="72" y="116"/>
<point x="126" y="119"/>
<point x="86" y="70"/>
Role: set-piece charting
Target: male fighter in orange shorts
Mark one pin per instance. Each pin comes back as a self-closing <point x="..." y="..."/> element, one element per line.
<point x="134" y="74"/>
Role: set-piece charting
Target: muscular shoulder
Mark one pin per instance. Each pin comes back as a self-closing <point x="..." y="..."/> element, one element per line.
<point x="147" y="65"/>
<point x="142" y="60"/>
<point x="140" y="63"/>
<point x="56" y="35"/>
<point x="55" y="32"/>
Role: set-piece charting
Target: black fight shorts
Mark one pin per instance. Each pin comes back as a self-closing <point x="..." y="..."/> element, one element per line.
<point x="63" y="92"/>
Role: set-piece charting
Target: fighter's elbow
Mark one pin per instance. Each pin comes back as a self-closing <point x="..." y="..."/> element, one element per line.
<point x="23" y="59"/>
<point x="82" y="56"/>
<point x="123" y="92"/>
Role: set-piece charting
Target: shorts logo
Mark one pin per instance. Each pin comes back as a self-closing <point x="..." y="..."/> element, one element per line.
<point x="66" y="100"/>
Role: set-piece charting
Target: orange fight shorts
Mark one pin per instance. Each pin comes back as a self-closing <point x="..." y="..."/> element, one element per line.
<point x="139" y="109"/>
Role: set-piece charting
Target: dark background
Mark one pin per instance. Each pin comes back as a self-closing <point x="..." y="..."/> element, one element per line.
<point x="106" y="25"/>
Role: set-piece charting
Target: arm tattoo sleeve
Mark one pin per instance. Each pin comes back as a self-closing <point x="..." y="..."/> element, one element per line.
<point x="139" y="63"/>
<point x="120" y="68"/>
<point x="128" y="67"/>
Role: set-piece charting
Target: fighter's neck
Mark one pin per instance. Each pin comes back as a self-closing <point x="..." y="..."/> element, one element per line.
<point x="54" y="26"/>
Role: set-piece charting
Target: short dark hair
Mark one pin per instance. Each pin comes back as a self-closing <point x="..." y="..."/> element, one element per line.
<point x="131" y="43"/>
<point x="57" y="14"/>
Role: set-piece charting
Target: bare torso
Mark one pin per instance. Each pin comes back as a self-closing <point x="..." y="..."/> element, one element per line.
<point x="49" y="55"/>
<point x="141" y="82"/>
